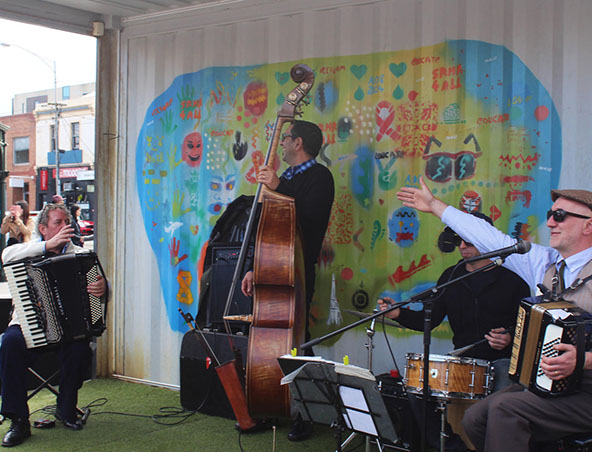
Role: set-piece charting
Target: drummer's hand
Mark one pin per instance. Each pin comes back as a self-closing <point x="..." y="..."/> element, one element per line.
<point x="266" y="175"/>
<point x="498" y="338"/>
<point x="561" y="366"/>
<point x="247" y="284"/>
<point x="386" y="302"/>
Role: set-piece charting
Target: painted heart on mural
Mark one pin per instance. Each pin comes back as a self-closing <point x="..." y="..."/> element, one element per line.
<point x="359" y="71"/>
<point x="282" y="77"/>
<point x="398" y="69"/>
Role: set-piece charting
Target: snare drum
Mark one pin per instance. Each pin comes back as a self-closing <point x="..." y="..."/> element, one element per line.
<point x="450" y="376"/>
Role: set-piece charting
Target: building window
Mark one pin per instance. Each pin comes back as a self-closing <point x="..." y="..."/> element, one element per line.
<point x="65" y="92"/>
<point x="75" y="135"/>
<point x="21" y="150"/>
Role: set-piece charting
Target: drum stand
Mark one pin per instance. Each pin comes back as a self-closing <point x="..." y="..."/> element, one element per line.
<point x="442" y="408"/>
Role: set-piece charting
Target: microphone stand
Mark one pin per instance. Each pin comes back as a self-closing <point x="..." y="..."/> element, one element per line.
<point x="422" y="297"/>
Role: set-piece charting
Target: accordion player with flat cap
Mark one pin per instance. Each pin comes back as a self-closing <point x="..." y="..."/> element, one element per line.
<point x="50" y="298"/>
<point x="539" y="326"/>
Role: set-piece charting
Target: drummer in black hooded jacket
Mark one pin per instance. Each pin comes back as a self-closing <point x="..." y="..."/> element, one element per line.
<point x="482" y="306"/>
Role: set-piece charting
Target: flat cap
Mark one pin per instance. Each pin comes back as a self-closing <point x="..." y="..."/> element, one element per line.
<point x="581" y="196"/>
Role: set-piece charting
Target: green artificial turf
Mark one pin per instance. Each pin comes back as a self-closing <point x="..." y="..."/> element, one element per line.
<point x="132" y="418"/>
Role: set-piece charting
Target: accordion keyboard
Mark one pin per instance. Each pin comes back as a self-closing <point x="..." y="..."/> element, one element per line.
<point x="24" y="306"/>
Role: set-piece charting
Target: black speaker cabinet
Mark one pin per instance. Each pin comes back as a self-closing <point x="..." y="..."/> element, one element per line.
<point x="201" y="389"/>
<point x="397" y="404"/>
<point x="224" y="259"/>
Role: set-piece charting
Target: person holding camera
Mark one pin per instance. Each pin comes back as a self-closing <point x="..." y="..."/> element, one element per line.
<point x="17" y="223"/>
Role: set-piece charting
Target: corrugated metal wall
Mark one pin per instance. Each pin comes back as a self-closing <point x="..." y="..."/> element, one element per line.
<point x="550" y="37"/>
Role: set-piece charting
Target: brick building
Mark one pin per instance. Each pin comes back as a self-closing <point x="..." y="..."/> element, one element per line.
<point x="20" y="158"/>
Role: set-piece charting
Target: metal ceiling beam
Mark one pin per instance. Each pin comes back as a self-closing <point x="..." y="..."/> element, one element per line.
<point x="50" y="15"/>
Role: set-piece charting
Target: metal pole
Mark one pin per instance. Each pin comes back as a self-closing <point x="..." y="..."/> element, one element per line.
<point x="57" y="130"/>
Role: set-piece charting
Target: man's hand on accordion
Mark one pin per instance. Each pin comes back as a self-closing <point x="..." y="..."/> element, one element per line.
<point x="98" y="287"/>
<point x="562" y="366"/>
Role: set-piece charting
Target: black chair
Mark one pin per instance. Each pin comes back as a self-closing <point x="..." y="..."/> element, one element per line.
<point x="45" y="362"/>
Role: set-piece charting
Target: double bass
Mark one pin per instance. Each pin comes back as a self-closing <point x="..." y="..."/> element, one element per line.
<point x="279" y="297"/>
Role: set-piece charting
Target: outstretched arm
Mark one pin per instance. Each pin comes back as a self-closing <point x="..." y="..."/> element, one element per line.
<point x="421" y="199"/>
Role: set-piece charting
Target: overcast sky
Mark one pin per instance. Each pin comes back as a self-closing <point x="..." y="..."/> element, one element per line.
<point x="22" y="72"/>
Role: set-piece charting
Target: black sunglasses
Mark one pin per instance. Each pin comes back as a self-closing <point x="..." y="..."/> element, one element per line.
<point x="457" y="240"/>
<point x="560" y="214"/>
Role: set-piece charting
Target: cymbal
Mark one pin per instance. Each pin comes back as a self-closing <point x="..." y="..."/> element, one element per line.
<point x="363" y="315"/>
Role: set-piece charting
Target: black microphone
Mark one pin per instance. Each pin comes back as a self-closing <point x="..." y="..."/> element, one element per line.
<point x="519" y="247"/>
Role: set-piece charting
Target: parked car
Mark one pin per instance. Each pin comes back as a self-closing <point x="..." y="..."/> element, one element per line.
<point x="87" y="227"/>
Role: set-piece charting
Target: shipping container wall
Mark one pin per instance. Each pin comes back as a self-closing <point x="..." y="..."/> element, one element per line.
<point x="487" y="100"/>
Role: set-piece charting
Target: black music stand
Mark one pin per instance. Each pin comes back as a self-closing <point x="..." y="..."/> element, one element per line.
<point x="343" y="397"/>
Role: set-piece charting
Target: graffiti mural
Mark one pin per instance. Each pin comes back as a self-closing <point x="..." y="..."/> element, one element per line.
<point x="466" y="115"/>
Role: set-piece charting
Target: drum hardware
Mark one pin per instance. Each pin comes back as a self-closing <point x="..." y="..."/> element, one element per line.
<point x="427" y="297"/>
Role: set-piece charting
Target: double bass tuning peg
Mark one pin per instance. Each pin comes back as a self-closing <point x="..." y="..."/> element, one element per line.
<point x="298" y="111"/>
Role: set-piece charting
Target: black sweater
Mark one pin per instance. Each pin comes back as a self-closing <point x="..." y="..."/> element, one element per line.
<point x="474" y="306"/>
<point x="313" y="191"/>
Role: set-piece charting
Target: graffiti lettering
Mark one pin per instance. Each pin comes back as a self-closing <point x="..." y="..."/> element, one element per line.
<point x="331" y="69"/>
<point x="329" y="129"/>
<point x="517" y="100"/>
<point x="191" y="109"/>
<point x="375" y="84"/>
<point x="450" y="71"/>
<point x="221" y="133"/>
<point x="492" y="119"/>
<point x="163" y="108"/>
<point x="396" y="154"/>
<point x="451" y="74"/>
<point x="422" y="60"/>
<point x="328" y="126"/>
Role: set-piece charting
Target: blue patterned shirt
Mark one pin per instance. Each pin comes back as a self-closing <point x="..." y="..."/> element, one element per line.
<point x="298" y="169"/>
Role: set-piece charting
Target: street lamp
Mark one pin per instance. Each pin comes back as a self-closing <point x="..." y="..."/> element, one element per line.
<point x="56" y="133"/>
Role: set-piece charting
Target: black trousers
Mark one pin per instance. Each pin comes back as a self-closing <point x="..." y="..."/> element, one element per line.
<point x="75" y="358"/>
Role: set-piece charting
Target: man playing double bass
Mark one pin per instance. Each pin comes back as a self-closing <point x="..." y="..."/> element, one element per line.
<point x="312" y="187"/>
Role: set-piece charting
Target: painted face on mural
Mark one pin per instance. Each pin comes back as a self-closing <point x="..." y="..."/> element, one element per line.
<point x="221" y="192"/>
<point x="403" y="227"/>
<point x="192" y="149"/>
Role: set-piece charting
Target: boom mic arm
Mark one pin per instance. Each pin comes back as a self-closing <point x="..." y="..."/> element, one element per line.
<point x="520" y="247"/>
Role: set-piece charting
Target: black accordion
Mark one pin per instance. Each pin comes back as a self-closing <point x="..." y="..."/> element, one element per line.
<point x="539" y="327"/>
<point x="51" y="301"/>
